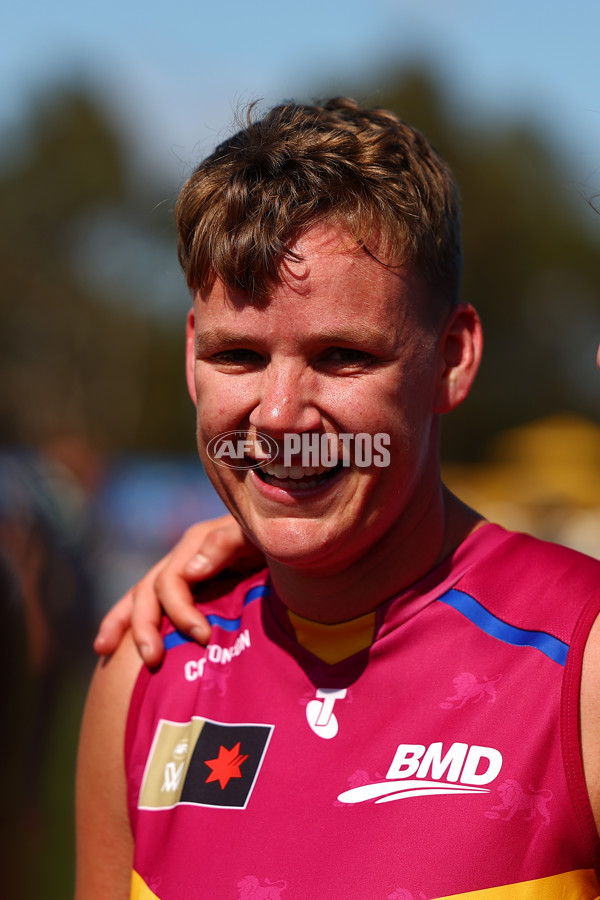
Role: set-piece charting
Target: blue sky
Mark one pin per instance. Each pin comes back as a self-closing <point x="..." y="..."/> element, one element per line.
<point x="175" y="71"/>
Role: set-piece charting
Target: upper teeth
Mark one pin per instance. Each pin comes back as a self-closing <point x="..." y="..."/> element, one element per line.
<point x="283" y="472"/>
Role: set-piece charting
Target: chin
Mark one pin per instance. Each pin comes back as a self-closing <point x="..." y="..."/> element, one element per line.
<point x="297" y="544"/>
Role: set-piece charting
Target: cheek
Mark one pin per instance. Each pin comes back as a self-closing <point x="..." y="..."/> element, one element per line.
<point x="355" y="407"/>
<point x="221" y="403"/>
<point x="406" y="417"/>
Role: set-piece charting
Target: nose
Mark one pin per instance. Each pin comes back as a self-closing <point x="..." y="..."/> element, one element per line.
<point x="287" y="401"/>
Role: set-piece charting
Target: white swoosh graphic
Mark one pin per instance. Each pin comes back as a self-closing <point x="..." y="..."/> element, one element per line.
<point x="409" y="787"/>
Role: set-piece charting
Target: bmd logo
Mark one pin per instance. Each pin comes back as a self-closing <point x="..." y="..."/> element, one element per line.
<point x="460" y="770"/>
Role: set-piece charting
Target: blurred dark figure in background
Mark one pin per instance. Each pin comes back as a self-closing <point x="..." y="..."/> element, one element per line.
<point x="48" y="541"/>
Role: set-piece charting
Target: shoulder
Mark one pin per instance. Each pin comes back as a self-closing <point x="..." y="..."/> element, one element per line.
<point x="540" y="586"/>
<point x="106" y="710"/>
<point x="557" y="589"/>
<point x="105" y="716"/>
<point x="113" y="681"/>
<point x="525" y="554"/>
<point x="104" y="841"/>
<point x="590" y="718"/>
<point x="227" y="597"/>
<point x="534" y="584"/>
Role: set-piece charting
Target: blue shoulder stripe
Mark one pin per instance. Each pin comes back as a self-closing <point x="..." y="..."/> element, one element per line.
<point x="176" y="638"/>
<point x="547" y="644"/>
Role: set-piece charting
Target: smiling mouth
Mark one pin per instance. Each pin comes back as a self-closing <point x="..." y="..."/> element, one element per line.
<point x="297" y="478"/>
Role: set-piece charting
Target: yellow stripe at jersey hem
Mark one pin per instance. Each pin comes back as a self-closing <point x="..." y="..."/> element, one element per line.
<point x="581" y="884"/>
<point x="139" y="890"/>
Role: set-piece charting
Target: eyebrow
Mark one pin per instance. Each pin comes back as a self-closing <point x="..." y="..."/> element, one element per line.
<point x="346" y="334"/>
<point x="216" y="337"/>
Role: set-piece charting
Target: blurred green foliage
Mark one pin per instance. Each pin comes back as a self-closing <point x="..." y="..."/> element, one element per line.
<point x="92" y="316"/>
<point x="531" y="266"/>
<point x="78" y="351"/>
<point x="85" y="240"/>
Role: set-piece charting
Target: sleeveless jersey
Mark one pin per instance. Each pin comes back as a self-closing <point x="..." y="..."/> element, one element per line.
<point x="440" y="761"/>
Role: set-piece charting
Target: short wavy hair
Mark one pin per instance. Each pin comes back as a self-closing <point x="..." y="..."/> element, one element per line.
<point x="362" y="169"/>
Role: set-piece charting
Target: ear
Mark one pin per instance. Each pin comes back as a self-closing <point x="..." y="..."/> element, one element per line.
<point x="190" y="355"/>
<point x="461" y="344"/>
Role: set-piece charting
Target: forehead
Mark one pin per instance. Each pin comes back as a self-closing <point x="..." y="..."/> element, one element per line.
<point x="329" y="276"/>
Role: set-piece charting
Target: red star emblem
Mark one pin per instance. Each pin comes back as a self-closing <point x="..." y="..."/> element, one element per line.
<point x="226" y="765"/>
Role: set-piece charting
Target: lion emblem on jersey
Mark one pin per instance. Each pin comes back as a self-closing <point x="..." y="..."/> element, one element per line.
<point x="250" y="888"/>
<point x="469" y="690"/>
<point x="515" y="799"/>
<point x="359" y="779"/>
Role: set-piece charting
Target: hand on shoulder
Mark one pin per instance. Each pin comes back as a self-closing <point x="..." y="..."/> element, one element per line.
<point x="205" y="549"/>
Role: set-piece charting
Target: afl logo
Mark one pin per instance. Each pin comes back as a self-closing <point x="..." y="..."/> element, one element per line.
<point x="241" y="450"/>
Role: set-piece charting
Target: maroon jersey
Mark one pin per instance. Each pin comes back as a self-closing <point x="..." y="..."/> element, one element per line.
<point x="439" y="759"/>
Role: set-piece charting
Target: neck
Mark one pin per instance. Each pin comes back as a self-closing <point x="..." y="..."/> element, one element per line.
<point x="397" y="560"/>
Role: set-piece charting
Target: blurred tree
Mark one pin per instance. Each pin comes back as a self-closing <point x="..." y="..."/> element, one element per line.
<point x="531" y="265"/>
<point x="76" y="354"/>
<point x="86" y="257"/>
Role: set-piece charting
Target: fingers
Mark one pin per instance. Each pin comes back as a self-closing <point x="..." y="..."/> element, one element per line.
<point x="215" y="548"/>
<point x="222" y="546"/>
<point x="174" y="593"/>
<point x="114" y="625"/>
<point x="204" y="550"/>
<point x="140" y="605"/>
<point x="146" y="617"/>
